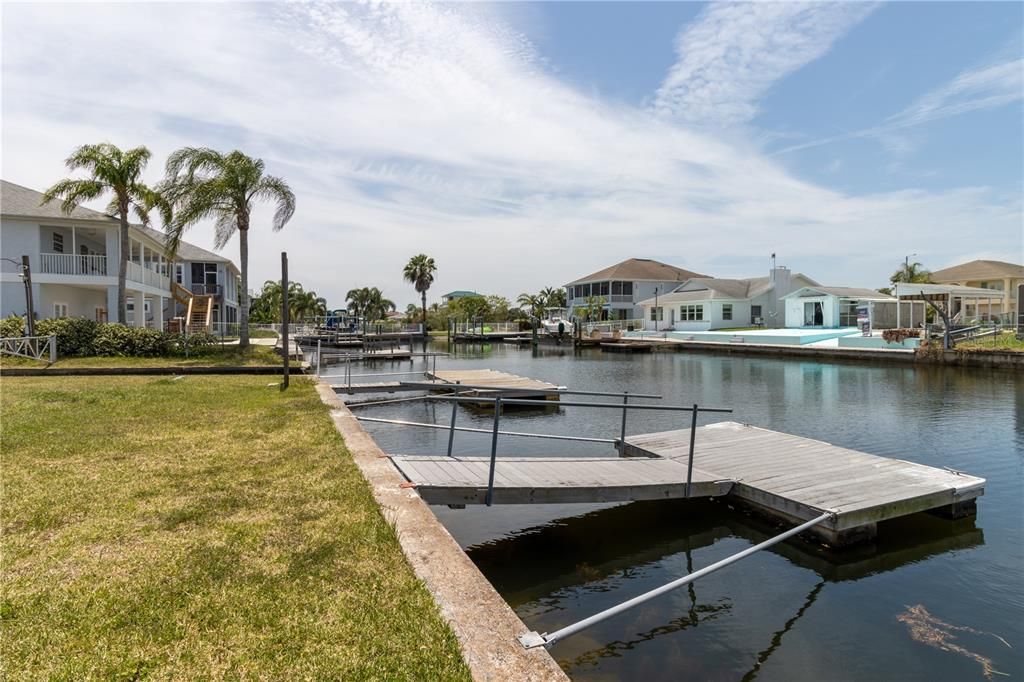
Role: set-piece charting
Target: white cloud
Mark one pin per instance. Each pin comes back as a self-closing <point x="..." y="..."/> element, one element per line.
<point x="407" y="128"/>
<point x="987" y="87"/>
<point x="735" y="51"/>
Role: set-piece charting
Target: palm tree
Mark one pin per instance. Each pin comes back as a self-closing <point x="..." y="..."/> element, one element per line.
<point x="911" y="273"/>
<point x="532" y="303"/>
<point x="419" y="271"/>
<point x="202" y="183"/>
<point x="368" y="303"/>
<point x="553" y="298"/>
<point x="120" y="173"/>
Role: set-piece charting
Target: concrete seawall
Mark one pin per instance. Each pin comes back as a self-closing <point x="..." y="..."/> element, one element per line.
<point x="485" y="625"/>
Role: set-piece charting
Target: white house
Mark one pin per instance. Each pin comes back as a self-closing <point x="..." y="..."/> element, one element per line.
<point x="624" y="285"/>
<point x="706" y="303"/>
<point x="74" y="262"/>
<point x="817" y="306"/>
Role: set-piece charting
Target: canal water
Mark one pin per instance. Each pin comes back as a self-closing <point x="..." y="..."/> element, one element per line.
<point x="931" y="599"/>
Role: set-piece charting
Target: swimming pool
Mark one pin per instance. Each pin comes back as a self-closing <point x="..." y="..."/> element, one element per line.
<point x="794" y="337"/>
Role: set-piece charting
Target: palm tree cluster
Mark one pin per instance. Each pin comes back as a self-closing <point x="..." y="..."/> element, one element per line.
<point x="535" y="304"/>
<point x="368" y="303"/>
<point x="199" y="184"/>
<point x="419" y="272"/>
<point x="302" y="304"/>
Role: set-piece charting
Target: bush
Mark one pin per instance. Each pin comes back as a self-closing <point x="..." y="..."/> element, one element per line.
<point x="117" y="340"/>
<point x="75" y="335"/>
<point x="12" y="326"/>
<point x="899" y="335"/>
<point x="193" y="343"/>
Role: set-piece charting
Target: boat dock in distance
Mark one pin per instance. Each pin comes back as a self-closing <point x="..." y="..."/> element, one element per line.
<point x="789" y="477"/>
<point x="483" y="381"/>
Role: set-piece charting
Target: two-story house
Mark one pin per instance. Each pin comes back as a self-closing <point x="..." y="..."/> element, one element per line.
<point x="987" y="274"/>
<point x="74" y="261"/>
<point x="624" y="285"/>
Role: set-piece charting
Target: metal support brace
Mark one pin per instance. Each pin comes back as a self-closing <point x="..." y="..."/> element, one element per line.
<point x="689" y="462"/>
<point x="622" y="434"/>
<point x="494" y="451"/>
<point x="455" y="411"/>
<point x="530" y="640"/>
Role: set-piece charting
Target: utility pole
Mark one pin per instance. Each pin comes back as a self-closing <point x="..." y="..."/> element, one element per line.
<point x="285" y="321"/>
<point x="26" y="275"/>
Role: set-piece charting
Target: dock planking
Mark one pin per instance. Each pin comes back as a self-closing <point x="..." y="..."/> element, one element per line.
<point x="553" y="480"/>
<point x="797" y="478"/>
<point x="493" y="380"/>
<point x="781" y="475"/>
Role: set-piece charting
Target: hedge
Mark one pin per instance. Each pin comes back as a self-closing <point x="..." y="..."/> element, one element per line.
<point x="12" y="326"/>
<point x="82" y="336"/>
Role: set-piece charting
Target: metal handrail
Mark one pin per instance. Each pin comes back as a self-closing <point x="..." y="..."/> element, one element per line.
<point x="499" y="401"/>
<point x="551" y="436"/>
<point x="546" y="391"/>
<point x="534" y="639"/>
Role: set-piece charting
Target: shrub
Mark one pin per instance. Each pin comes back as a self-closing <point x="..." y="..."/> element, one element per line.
<point x="117" y="340"/>
<point x="899" y="335"/>
<point x="12" y="326"/>
<point x="192" y="343"/>
<point x="75" y="335"/>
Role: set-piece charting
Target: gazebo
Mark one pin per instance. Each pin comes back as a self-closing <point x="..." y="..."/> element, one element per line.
<point x="957" y="299"/>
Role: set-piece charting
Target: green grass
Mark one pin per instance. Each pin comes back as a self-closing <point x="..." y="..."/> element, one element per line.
<point x="219" y="356"/>
<point x="1004" y="341"/>
<point x="201" y="528"/>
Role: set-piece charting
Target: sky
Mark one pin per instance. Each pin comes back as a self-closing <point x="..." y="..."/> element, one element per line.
<point x="523" y="145"/>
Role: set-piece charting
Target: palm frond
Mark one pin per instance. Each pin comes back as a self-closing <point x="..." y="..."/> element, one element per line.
<point x="72" y="192"/>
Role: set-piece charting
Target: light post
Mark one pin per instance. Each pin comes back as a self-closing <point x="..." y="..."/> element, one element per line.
<point x="657" y="313"/>
<point x="26" y="277"/>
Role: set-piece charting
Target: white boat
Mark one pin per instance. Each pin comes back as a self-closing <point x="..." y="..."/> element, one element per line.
<point x="557" y="320"/>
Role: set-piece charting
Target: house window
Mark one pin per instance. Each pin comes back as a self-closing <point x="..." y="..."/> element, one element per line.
<point x="603" y="289"/>
<point x="848" y="314"/>
<point x="657" y="314"/>
<point x="814" y="314"/>
<point x="755" y="314"/>
<point x="627" y="288"/>
<point x="60" y="309"/>
<point x="58" y="242"/>
<point x="727" y="311"/>
<point x="179" y="273"/>
<point x="692" y="312"/>
<point x="616" y="288"/>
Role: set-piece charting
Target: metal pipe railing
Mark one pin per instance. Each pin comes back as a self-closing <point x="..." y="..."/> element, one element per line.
<point x="469" y="429"/>
<point x="500" y="401"/>
<point x="545" y="391"/>
<point x="533" y="639"/>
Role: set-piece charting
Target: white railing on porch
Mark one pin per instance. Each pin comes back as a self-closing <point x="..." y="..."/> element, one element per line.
<point x="71" y="264"/>
<point x="137" y="273"/>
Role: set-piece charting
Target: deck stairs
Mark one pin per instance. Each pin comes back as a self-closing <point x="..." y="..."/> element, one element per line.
<point x="198" y="308"/>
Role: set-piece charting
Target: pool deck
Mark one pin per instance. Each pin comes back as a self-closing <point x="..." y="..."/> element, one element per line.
<point x="787" y="477"/>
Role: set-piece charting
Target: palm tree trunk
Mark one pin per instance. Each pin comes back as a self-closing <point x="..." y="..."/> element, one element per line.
<point x="243" y="293"/>
<point x="122" y="269"/>
<point x="424" y="293"/>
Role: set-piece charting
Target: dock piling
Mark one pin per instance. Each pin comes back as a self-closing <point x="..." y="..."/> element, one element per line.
<point x="494" y="449"/>
<point x="689" y="459"/>
<point x="455" y="411"/>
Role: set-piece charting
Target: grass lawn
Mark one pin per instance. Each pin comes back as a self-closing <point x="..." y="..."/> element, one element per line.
<point x="219" y="356"/>
<point x="201" y="528"/>
<point x="1004" y="341"/>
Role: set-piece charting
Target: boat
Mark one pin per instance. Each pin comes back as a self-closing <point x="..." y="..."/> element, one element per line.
<point x="557" y="321"/>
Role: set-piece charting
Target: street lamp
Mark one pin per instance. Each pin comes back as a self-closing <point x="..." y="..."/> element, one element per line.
<point x="26" y="277"/>
<point x="657" y="313"/>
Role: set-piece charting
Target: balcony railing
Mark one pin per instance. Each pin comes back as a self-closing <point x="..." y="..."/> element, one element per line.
<point x="137" y="273"/>
<point x="70" y="264"/>
<point x="200" y="289"/>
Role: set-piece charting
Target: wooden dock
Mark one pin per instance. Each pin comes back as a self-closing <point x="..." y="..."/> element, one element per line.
<point x="547" y="480"/>
<point x="797" y="478"/>
<point x="494" y="380"/>
<point x="783" y="476"/>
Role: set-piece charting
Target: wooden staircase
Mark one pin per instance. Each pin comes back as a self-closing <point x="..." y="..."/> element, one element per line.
<point x="199" y="308"/>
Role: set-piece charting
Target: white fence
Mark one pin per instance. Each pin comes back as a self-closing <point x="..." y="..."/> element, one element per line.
<point x="485" y="327"/>
<point x="35" y="347"/>
<point x="71" y="264"/>
<point x="609" y="326"/>
<point x="137" y="273"/>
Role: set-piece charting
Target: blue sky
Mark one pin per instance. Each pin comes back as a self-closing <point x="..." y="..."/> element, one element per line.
<point x="525" y="144"/>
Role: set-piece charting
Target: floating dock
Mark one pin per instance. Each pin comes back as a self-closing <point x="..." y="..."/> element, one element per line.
<point x="495" y="381"/>
<point x="783" y="476"/>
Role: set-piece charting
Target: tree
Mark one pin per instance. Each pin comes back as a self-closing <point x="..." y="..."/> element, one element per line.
<point x="202" y="183"/>
<point x="553" y="297"/>
<point x="419" y="271"/>
<point x="368" y="303"/>
<point x="592" y="307"/>
<point x="532" y="304"/>
<point x="119" y="173"/>
<point x="911" y="273"/>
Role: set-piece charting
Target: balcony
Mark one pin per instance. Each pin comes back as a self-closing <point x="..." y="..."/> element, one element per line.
<point x="137" y="273"/>
<point x="200" y="289"/>
<point x="70" y="264"/>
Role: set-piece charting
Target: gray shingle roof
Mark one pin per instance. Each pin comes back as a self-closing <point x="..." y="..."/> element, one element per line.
<point x="16" y="200"/>
<point x="978" y="270"/>
<point x="640" y="269"/>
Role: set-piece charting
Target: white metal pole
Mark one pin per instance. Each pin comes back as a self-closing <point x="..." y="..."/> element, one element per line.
<point x="532" y="639"/>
